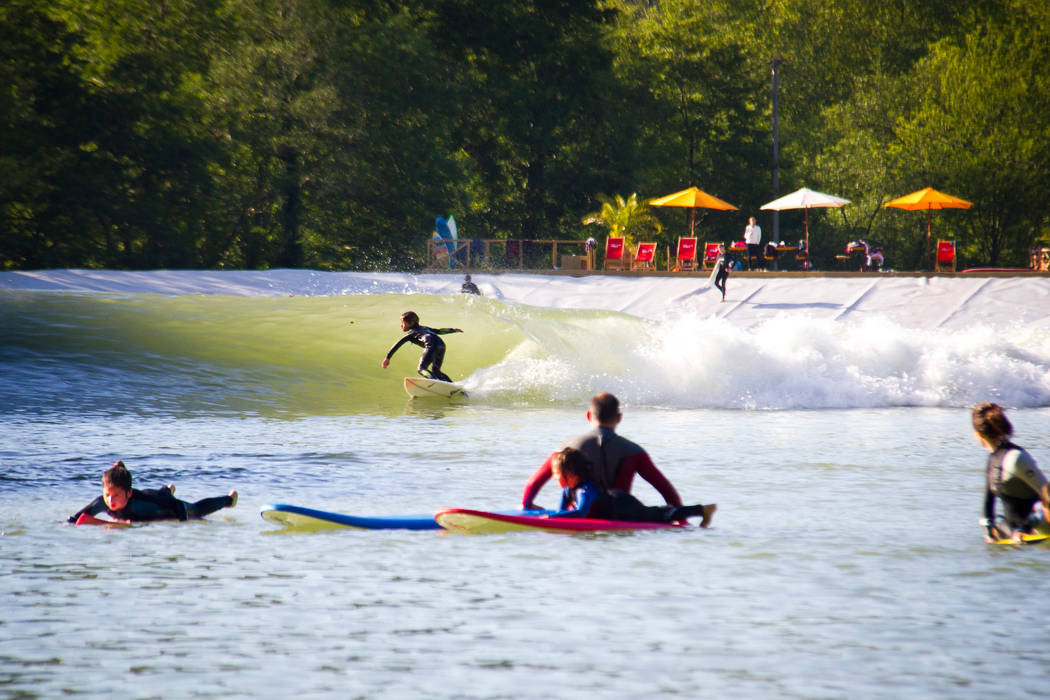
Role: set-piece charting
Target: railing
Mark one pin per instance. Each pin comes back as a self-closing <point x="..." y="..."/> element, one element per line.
<point x="509" y="254"/>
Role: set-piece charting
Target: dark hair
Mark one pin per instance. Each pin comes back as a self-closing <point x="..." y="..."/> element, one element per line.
<point x="117" y="475"/>
<point x="991" y="423"/>
<point x="572" y="461"/>
<point x="605" y="407"/>
<point x="411" y="316"/>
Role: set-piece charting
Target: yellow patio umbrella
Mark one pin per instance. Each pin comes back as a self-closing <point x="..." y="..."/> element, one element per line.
<point x="929" y="199"/>
<point x="694" y="198"/>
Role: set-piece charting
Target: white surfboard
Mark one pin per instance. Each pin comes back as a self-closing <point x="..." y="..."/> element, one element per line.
<point x="419" y="387"/>
<point x="714" y="273"/>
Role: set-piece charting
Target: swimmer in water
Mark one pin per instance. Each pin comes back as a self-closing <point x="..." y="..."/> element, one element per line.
<point x="121" y="502"/>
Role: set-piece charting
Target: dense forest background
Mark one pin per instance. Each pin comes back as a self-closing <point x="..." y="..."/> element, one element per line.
<point x="330" y="133"/>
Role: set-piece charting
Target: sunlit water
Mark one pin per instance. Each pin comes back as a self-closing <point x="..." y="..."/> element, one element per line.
<point x="844" y="561"/>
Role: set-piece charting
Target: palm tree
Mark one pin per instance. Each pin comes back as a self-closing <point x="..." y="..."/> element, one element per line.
<point x="625" y="217"/>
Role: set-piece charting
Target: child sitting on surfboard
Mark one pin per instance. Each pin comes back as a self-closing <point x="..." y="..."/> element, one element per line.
<point x="426" y="338"/>
<point x="123" y="503"/>
<point x="580" y="498"/>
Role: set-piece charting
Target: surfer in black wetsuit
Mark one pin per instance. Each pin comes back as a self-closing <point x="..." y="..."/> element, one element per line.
<point x="725" y="260"/>
<point x="426" y="338"/>
<point x="1011" y="477"/>
<point x="121" y="502"/>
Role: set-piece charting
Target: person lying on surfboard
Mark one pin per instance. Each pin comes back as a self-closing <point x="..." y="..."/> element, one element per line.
<point x="615" y="460"/>
<point x="426" y="338"/>
<point x="1011" y="476"/>
<point x="580" y="498"/>
<point x="123" y="503"/>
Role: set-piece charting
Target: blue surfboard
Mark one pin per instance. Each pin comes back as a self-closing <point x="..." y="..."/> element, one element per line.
<point x="309" y="519"/>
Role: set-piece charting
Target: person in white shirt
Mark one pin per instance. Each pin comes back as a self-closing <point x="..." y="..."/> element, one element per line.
<point x="753" y="237"/>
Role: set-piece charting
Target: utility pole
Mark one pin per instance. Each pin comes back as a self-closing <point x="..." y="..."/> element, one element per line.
<point x="776" y="149"/>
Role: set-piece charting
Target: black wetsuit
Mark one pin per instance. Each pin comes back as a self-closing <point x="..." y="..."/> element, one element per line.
<point x="433" y="350"/>
<point x="155" y="504"/>
<point x="1017" y="489"/>
<point x="724" y="262"/>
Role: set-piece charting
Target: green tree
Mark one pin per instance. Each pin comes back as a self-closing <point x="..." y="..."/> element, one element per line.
<point x="625" y="217"/>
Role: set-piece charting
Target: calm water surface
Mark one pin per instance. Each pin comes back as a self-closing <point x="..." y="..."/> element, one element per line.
<point x="844" y="561"/>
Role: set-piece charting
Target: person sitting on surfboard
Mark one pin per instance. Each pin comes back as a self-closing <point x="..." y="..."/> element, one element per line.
<point x="121" y="502"/>
<point x="580" y="498"/>
<point x="1011" y="475"/>
<point x="615" y="460"/>
<point x="426" y="338"/>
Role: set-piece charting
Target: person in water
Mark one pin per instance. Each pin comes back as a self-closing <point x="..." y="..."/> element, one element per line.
<point x="614" y="460"/>
<point x="580" y="498"/>
<point x="469" y="287"/>
<point x="1011" y="476"/>
<point x="121" y="502"/>
<point x="426" y="338"/>
<point x="722" y="265"/>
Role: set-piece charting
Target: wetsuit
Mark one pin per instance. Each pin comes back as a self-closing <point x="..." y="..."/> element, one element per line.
<point x="587" y="501"/>
<point x="577" y="502"/>
<point x="722" y="275"/>
<point x="1013" y="477"/>
<point x="615" y="460"/>
<point x="470" y="288"/>
<point x="433" y="350"/>
<point x="155" y="504"/>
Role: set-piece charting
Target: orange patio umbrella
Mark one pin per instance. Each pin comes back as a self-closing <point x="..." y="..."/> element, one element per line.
<point x="929" y="199"/>
<point x="695" y="198"/>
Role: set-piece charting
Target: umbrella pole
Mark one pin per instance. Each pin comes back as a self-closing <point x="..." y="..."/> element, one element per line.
<point x="929" y="216"/>
<point x="692" y="222"/>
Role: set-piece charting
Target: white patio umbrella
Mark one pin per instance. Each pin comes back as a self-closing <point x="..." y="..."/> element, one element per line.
<point x="805" y="198"/>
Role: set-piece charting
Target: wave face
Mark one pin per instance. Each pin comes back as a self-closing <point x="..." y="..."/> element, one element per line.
<point x="219" y="354"/>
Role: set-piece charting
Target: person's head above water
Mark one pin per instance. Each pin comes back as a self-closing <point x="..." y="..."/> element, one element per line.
<point x="991" y="424"/>
<point x="570" y="467"/>
<point x="604" y="410"/>
<point x="116" y="486"/>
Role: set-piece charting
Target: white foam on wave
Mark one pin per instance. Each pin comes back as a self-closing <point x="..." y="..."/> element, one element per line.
<point x="782" y="363"/>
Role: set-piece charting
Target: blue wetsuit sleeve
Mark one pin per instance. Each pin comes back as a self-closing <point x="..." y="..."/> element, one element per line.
<point x="586" y="498"/>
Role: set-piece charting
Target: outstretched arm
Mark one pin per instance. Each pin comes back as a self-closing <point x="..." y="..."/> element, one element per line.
<point x="386" y="360"/>
<point x="94" y="508"/>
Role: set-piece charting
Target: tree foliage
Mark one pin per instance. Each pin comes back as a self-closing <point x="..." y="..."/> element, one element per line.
<point x="330" y="133"/>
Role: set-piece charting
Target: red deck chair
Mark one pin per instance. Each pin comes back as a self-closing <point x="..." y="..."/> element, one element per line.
<point x="686" y="255"/>
<point x="614" y="253"/>
<point x="644" y="256"/>
<point x="945" y="257"/>
<point x="710" y="256"/>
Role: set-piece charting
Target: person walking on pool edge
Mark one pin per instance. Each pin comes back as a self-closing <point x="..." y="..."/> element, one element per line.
<point x="725" y="260"/>
<point x="752" y="238"/>
<point x="426" y="338"/>
<point x="1011" y="475"/>
<point x="615" y="460"/>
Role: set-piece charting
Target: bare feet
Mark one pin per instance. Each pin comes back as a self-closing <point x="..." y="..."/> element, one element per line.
<point x="233" y="499"/>
<point x="709" y="512"/>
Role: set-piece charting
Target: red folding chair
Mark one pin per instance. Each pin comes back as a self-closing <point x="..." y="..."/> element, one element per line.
<point x="686" y="255"/>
